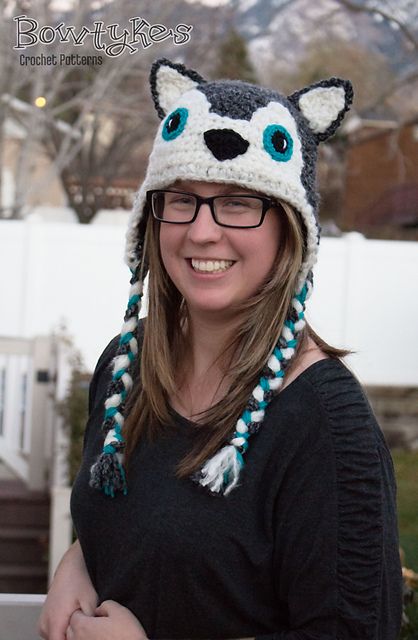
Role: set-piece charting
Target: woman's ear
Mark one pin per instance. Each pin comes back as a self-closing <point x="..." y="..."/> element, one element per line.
<point x="169" y="81"/>
<point x="324" y="105"/>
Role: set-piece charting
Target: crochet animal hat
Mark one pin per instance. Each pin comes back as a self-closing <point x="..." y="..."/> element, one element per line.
<point x="234" y="133"/>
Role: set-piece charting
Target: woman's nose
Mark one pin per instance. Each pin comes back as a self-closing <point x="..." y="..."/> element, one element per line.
<point x="204" y="228"/>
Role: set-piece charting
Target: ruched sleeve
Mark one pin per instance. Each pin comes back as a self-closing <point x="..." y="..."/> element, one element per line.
<point x="337" y="563"/>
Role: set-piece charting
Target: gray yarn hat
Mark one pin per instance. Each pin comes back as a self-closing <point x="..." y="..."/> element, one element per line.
<point x="230" y="132"/>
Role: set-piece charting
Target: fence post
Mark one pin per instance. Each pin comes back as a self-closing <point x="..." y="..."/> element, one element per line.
<point x="60" y="537"/>
<point x="42" y="410"/>
<point x="61" y="525"/>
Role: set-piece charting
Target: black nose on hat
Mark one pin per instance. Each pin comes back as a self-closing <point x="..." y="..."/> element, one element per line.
<point x="225" y="144"/>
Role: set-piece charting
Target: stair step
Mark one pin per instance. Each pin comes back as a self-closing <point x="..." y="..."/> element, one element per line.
<point x="21" y="579"/>
<point x="18" y="488"/>
<point x="24" y="512"/>
<point x="23" y="546"/>
<point x="21" y="570"/>
<point x="28" y="533"/>
<point x="24" y="532"/>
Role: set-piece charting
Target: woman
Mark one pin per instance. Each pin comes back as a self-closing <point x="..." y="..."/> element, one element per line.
<point x="249" y="492"/>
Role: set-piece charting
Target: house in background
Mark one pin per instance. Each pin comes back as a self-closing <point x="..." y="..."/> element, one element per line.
<point x="25" y="161"/>
<point x="19" y="154"/>
<point x="381" y="187"/>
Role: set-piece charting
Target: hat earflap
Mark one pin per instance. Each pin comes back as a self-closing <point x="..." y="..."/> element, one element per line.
<point x="107" y="473"/>
<point x="220" y="474"/>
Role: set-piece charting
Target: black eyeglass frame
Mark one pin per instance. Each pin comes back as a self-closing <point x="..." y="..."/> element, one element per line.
<point x="267" y="203"/>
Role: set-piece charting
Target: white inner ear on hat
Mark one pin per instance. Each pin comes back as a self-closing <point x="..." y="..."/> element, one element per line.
<point x="171" y="85"/>
<point x="321" y="106"/>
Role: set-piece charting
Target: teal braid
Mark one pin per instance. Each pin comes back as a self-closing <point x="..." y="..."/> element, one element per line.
<point x="220" y="474"/>
<point x="108" y="473"/>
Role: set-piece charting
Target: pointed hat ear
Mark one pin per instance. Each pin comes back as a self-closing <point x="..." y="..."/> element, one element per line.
<point x="324" y="105"/>
<point x="168" y="81"/>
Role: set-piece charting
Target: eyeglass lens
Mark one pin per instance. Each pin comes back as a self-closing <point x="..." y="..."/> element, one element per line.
<point x="239" y="211"/>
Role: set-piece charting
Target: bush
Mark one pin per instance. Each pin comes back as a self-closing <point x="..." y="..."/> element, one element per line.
<point x="406" y="464"/>
<point x="74" y="411"/>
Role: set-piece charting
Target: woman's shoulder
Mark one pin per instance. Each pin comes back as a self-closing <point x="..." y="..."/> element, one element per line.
<point x="338" y="388"/>
<point x="325" y="404"/>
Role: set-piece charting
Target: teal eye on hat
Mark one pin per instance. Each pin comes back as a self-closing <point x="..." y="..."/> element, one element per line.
<point x="278" y="142"/>
<point x="175" y="123"/>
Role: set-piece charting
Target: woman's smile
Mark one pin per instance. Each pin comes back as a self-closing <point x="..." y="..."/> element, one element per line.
<point x="211" y="266"/>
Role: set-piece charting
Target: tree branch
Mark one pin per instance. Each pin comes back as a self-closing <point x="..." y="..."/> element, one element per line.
<point x="358" y="8"/>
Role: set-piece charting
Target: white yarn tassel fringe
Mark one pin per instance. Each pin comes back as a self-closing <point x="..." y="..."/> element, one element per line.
<point x="213" y="472"/>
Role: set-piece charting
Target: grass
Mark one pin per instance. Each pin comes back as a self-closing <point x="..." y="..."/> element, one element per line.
<point x="406" y="468"/>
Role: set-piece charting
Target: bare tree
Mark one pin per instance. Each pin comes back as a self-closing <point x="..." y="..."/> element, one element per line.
<point x="401" y="15"/>
<point x="12" y="80"/>
<point x="97" y="121"/>
<point x="369" y="72"/>
<point x="80" y="106"/>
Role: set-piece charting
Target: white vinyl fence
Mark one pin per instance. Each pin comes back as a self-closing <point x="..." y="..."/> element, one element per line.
<point x="365" y="293"/>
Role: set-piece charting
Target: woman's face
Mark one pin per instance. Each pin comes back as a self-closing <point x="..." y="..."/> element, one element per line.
<point x="246" y="256"/>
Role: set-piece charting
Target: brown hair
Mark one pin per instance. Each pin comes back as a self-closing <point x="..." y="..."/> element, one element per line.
<point x="165" y="342"/>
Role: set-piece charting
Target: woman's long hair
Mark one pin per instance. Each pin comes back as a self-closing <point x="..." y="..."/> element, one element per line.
<point x="166" y="345"/>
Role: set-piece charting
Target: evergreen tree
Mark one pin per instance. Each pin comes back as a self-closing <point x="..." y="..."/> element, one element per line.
<point x="233" y="60"/>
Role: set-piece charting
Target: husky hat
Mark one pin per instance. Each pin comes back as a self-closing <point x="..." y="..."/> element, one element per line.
<point x="238" y="133"/>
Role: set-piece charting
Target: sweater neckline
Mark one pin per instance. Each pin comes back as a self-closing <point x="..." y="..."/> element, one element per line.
<point x="306" y="373"/>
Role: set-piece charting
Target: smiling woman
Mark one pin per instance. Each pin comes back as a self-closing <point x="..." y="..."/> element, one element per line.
<point x="239" y="485"/>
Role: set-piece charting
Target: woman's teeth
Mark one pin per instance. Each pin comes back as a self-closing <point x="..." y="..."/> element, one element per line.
<point x="212" y="266"/>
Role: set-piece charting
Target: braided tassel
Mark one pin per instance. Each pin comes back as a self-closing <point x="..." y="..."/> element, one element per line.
<point x="107" y="473"/>
<point x="220" y="474"/>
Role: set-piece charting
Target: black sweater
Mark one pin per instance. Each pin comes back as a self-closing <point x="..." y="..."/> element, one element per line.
<point x="305" y="548"/>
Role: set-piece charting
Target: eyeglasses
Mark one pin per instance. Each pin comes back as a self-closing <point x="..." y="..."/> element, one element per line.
<point x="236" y="211"/>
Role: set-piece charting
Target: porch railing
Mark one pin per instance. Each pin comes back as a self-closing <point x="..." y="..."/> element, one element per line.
<point x="34" y="376"/>
<point x="19" y="614"/>
<point x="27" y="375"/>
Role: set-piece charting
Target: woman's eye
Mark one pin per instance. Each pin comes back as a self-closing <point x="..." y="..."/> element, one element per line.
<point x="238" y="205"/>
<point x="235" y="203"/>
<point x="278" y="142"/>
<point x="180" y="201"/>
<point x="174" y="123"/>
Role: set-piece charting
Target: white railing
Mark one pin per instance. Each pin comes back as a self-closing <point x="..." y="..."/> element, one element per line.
<point x="27" y="374"/>
<point x="34" y="375"/>
<point x="19" y="614"/>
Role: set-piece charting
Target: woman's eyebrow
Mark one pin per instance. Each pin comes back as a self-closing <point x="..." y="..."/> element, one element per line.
<point x="226" y="189"/>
